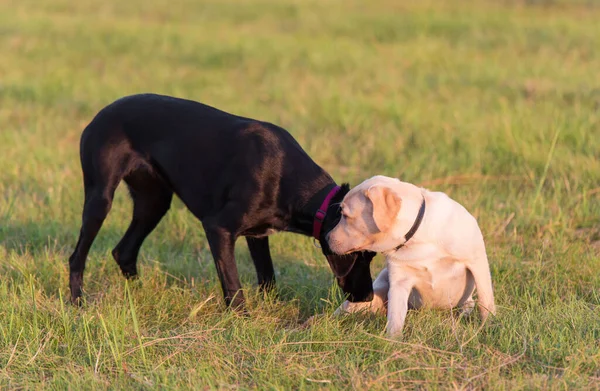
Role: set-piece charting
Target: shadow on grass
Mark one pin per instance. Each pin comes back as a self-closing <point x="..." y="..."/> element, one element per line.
<point x="41" y="249"/>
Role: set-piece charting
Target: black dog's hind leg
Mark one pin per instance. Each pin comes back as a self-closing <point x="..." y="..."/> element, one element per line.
<point x="99" y="193"/>
<point x="261" y="256"/>
<point x="151" y="201"/>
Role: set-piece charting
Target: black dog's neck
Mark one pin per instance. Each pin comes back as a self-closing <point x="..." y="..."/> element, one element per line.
<point x="303" y="220"/>
<point x="315" y="203"/>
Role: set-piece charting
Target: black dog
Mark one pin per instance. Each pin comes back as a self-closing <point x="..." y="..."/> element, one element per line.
<point x="238" y="176"/>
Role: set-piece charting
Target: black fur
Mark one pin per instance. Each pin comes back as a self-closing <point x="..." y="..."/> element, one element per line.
<point x="238" y="176"/>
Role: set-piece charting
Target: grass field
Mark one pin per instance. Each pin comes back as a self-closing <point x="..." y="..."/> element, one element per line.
<point x="495" y="102"/>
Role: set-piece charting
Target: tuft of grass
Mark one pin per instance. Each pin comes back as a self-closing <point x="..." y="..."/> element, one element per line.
<point x="494" y="102"/>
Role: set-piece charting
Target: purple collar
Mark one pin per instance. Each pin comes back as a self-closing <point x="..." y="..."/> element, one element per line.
<point x="322" y="211"/>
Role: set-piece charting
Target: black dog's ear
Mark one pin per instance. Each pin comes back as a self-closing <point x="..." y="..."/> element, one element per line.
<point x="341" y="265"/>
<point x="344" y="189"/>
<point x="367" y="256"/>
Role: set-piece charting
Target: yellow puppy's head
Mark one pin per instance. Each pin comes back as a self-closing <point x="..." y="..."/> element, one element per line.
<point x="369" y="213"/>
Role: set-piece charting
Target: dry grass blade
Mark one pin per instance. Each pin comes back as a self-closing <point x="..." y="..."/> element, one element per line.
<point x="498" y="231"/>
<point x="412" y="345"/>
<point x="325" y="381"/>
<point x="510" y="361"/>
<point x="203" y="334"/>
<point x="97" y="365"/>
<point x="43" y="343"/>
<point x="398" y="372"/>
<point x="14" y="349"/>
<point x="589" y="193"/>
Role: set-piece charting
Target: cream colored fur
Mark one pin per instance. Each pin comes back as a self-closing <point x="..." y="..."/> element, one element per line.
<point x="439" y="267"/>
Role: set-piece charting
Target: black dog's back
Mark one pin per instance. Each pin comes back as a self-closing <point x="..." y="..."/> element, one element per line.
<point x="186" y="141"/>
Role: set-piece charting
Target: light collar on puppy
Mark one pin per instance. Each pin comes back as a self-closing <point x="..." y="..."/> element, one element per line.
<point x="414" y="227"/>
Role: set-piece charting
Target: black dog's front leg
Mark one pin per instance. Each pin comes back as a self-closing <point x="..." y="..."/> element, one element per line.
<point x="261" y="256"/>
<point x="222" y="243"/>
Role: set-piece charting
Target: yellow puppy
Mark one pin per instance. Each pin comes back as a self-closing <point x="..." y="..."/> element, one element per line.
<point x="435" y="254"/>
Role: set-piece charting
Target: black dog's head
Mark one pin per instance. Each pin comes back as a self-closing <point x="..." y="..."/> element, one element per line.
<point x="352" y="271"/>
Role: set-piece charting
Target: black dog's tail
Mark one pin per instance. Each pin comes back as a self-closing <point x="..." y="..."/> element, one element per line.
<point x="105" y="152"/>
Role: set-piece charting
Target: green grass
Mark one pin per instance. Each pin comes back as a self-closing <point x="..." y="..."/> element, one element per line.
<point x="495" y="102"/>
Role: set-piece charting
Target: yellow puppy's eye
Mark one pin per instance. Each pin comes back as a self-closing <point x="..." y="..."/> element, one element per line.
<point x="343" y="211"/>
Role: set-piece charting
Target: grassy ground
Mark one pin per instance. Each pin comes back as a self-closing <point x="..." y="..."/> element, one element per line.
<point x="496" y="103"/>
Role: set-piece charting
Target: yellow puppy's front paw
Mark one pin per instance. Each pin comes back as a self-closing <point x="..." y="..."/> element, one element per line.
<point x="342" y="309"/>
<point x="348" y="307"/>
<point x="310" y="321"/>
<point x="467" y="308"/>
<point x="394" y="330"/>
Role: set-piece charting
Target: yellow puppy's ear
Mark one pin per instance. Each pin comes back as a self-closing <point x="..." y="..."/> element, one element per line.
<point x="386" y="205"/>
